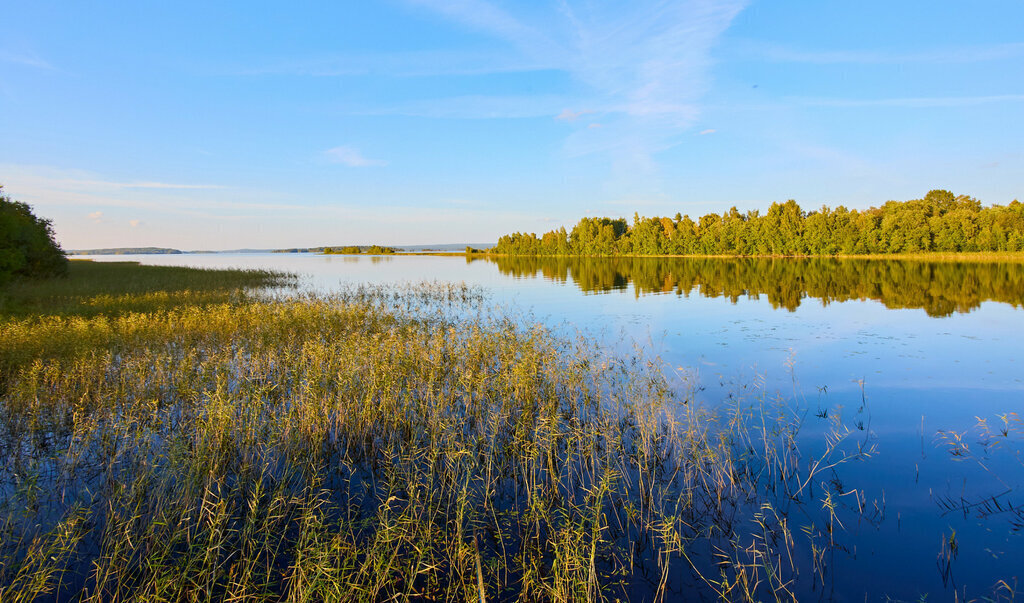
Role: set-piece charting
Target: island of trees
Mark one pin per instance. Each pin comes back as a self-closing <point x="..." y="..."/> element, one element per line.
<point x="344" y="250"/>
<point x="940" y="222"/>
<point x="355" y="250"/>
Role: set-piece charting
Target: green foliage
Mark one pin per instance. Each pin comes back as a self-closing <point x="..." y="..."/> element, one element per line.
<point x="356" y="250"/>
<point x="940" y="222"/>
<point x="27" y="248"/>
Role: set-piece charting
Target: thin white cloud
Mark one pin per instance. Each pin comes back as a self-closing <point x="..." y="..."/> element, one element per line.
<point x="471" y="107"/>
<point x="52" y="186"/>
<point x="570" y="115"/>
<point x="28" y="59"/>
<point x="949" y="55"/>
<point x="462" y="202"/>
<point x="423" y="63"/>
<point x="351" y="157"/>
<point x="490" y="18"/>
<point x="912" y="102"/>
<point x="708" y="131"/>
<point x="154" y="185"/>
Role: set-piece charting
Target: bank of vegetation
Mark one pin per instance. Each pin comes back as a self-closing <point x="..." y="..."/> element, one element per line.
<point x="940" y="222"/>
<point x="27" y="247"/>
<point x="356" y="250"/>
<point x="172" y="435"/>
<point x="343" y="250"/>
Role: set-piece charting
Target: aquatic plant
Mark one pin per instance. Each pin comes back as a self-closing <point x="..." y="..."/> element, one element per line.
<point x="387" y="443"/>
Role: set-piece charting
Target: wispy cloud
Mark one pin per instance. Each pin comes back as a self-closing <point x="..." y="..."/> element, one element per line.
<point x="462" y="202"/>
<point x="492" y="19"/>
<point x="351" y="157"/>
<point x="912" y="102"/>
<point x="644" y="71"/>
<point x="28" y="59"/>
<point x="420" y="63"/>
<point x="53" y="186"/>
<point x="948" y="55"/>
<point x="643" y="67"/>
<point x="96" y="216"/>
<point x="570" y="115"/>
<point x="153" y="185"/>
<point x="471" y="107"/>
<point x="708" y="131"/>
<point x="134" y="223"/>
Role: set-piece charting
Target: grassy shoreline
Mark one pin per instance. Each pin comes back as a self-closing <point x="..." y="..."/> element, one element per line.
<point x="93" y="288"/>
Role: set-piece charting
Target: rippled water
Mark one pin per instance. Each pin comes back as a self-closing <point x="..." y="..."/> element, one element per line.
<point x="912" y="354"/>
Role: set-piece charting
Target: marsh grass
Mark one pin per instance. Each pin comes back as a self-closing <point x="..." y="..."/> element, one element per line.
<point x="374" y="445"/>
<point x="114" y="288"/>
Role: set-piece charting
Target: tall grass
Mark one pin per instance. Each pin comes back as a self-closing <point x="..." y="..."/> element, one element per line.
<point x="111" y="288"/>
<point x="385" y="443"/>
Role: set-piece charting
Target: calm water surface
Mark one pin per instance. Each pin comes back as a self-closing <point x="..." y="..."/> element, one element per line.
<point x="903" y="351"/>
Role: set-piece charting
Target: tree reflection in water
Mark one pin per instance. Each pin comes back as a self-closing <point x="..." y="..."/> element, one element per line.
<point x="939" y="288"/>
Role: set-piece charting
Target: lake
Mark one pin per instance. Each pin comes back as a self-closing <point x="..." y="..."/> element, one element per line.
<point x="910" y="354"/>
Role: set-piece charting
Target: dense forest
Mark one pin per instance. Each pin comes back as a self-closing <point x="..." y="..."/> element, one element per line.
<point x="940" y="221"/>
<point x="938" y="288"/>
<point x="27" y="248"/>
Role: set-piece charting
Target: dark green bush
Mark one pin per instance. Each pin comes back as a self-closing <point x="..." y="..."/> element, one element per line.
<point x="27" y="248"/>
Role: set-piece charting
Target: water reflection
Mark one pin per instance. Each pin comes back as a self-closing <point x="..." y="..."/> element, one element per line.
<point x="939" y="288"/>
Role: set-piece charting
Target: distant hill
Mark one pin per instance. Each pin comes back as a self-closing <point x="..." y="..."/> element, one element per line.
<point x="124" y="251"/>
<point x="246" y="250"/>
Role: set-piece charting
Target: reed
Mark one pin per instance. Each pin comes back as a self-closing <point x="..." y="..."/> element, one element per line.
<point x="184" y="442"/>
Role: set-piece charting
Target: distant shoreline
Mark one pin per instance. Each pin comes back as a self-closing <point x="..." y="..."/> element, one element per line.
<point x="937" y="256"/>
<point x="456" y="248"/>
<point x="986" y="256"/>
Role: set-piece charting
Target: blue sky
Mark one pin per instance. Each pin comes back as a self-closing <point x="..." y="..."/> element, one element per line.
<point x="204" y="125"/>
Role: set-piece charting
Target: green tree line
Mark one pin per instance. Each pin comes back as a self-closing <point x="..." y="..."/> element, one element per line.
<point x="941" y="221"/>
<point x="27" y="248"/>
<point x="939" y="288"/>
<point x="355" y="250"/>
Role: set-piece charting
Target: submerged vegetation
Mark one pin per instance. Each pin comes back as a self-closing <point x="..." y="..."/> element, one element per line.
<point x="940" y="222"/>
<point x="939" y="288"/>
<point x="165" y="442"/>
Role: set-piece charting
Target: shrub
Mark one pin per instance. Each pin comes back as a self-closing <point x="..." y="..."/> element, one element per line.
<point x="27" y="247"/>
